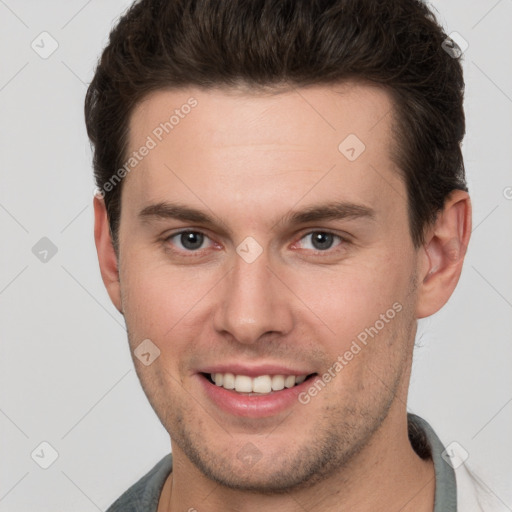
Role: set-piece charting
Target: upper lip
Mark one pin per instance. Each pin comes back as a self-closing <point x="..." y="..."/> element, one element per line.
<point x="254" y="371"/>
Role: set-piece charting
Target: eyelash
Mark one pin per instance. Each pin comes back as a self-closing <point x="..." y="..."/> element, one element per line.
<point x="194" y="253"/>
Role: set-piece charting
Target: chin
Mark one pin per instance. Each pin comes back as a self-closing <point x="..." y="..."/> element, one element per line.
<point x="268" y="470"/>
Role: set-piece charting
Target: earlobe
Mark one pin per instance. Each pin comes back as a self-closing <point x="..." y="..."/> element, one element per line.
<point x="442" y="255"/>
<point x="107" y="257"/>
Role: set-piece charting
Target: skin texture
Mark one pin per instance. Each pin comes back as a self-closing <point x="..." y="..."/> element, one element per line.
<point x="247" y="160"/>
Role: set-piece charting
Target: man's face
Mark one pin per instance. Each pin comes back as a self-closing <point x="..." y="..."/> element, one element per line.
<point x="271" y="285"/>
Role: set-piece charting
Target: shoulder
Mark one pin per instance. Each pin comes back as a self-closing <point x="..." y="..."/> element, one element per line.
<point x="143" y="495"/>
<point x="457" y="486"/>
<point x="473" y="495"/>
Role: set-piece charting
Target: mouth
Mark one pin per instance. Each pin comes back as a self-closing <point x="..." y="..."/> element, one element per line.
<point x="255" y="396"/>
<point x="256" y="386"/>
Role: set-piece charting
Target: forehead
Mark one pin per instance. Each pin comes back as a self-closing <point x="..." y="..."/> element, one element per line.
<point x="231" y="116"/>
<point x="257" y="148"/>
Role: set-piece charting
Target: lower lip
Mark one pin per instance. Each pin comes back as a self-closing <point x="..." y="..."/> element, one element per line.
<point x="253" y="406"/>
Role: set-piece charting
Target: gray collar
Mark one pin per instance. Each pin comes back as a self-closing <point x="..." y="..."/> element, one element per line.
<point x="427" y="445"/>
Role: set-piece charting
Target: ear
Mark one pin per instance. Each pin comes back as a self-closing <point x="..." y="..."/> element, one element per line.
<point x="442" y="254"/>
<point x="106" y="254"/>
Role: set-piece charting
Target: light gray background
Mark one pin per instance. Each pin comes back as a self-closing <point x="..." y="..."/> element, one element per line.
<point x="66" y="374"/>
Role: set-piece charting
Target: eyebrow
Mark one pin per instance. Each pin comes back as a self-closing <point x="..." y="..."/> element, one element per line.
<point x="328" y="211"/>
<point x="313" y="213"/>
<point x="176" y="211"/>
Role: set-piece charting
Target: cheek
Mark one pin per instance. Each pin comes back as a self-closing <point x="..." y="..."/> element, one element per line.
<point x="368" y="318"/>
<point x="160" y="300"/>
<point x="349" y="299"/>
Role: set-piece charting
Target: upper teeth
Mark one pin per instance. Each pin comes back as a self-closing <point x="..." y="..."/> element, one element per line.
<point x="260" y="384"/>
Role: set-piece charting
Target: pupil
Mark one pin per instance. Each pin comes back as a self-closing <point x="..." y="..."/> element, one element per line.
<point x="322" y="240"/>
<point x="192" y="240"/>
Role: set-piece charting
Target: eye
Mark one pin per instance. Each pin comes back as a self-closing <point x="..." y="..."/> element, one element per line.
<point x="188" y="240"/>
<point x="320" y="241"/>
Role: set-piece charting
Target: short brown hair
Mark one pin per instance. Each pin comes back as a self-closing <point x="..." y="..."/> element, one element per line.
<point x="166" y="44"/>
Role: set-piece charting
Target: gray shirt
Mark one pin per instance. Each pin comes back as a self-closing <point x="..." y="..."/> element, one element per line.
<point x="143" y="496"/>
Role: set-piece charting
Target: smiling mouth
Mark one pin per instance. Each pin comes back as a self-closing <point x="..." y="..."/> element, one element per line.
<point x="256" y="386"/>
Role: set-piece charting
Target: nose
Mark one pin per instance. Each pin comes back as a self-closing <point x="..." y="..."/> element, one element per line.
<point x="253" y="302"/>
